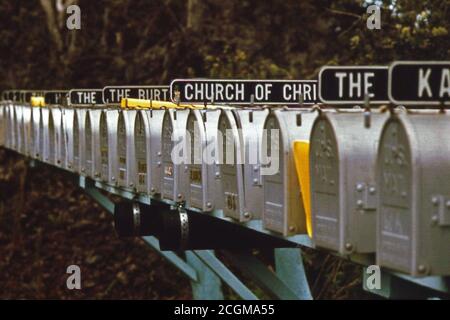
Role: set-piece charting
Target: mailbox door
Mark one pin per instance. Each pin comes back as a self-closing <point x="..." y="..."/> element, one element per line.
<point x="45" y="133"/>
<point x="112" y="117"/>
<point x="155" y="118"/>
<point x="104" y="147"/>
<point x="121" y="149"/>
<point x="14" y="138"/>
<point x="325" y="174"/>
<point x="56" y="118"/>
<point x="196" y="176"/>
<point x="76" y="142"/>
<point x="130" y="119"/>
<point x="251" y="123"/>
<point x="141" y="151"/>
<point x="94" y="115"/>
<point x="69" y="136"/>
<point x="394" y="179"/>
<point x="231" y="168"/>
<point x="51" y="139"/>
<point x="214" y="192"/>
<point x="274" y="208"/>
<point x="168" y="167"/>
<point x="63" y="140"/>
<point x="88" y="143"/>
<point x="2" y="125"/>
<point x="20" y="129"/>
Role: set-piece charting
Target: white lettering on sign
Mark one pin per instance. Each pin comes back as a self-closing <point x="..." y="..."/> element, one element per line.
<point x="214" y="91"/>
<point x="293" y="91"/>
<point x="361" y="82"/>
<point x="86" y="97"/>
<point x="445" y="83"/>
<point x="262" y="91"/>
<point x="423" y="82"/>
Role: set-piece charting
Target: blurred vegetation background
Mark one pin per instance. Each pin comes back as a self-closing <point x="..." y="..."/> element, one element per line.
<point x="46" y="223"/>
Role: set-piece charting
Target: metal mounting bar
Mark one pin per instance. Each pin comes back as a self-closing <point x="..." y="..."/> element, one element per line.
<point x="225" y="274"/>
<point x="265" y="278"/>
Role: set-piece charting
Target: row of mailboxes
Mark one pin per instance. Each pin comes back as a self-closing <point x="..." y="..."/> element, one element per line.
<point x="379" y="187"/>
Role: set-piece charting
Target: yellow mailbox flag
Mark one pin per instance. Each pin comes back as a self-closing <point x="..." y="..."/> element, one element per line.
<point x="301" y="157"/>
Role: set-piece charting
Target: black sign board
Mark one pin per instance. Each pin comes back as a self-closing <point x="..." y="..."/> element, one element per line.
<point x="114" y="94"/>
<point x="420" y="82"/>
<point x="85" y="97"/>
<point x="55" y="97"/>
<point x="243" y="92"/>
<point x="349" y="84"/>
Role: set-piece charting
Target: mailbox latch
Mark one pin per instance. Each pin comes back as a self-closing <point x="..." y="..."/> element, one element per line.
<point x="441" y="211"/>
<point x="366" y="196"/>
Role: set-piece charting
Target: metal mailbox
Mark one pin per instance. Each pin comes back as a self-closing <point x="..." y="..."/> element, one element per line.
<point x="201" y="187"/>
<point x="44" y="132"/>
<point x="26" y="132"/>
<point x="19" y="128"/>
<point x="68" y="126"/>
<point x="283" y="210"/>
<point x="142" y="155"/>
<point x="2" y="124"/>
<point x="413" y="177"/>
<point x="35" y="129"/>
<point x="155" y="119"/>
<point x="79" y="159"/>
<point x="173" y="134"/>
<point x="126" y="149"/>
<point x="93" y="145"/>
<point x="112" y="117"/>
<point x="342" y="172"/>
<point x="241" y="133"/>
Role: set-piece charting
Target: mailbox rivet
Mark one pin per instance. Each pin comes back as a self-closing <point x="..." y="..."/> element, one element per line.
<point x="255" y="168"/>
<point x="247" y="215"/>
<point x="359" y="187"/>
<point x="435" y="201"/>
<point x="186" y="168"/>
<point x="113" y="178"/>
<point x="131" y="184"/>
<point x="159" y="163"/>
<point x="152" y="189"/>
<point x="291" y="228"/>
<point x="255" y="181"/>
<point x="179" y="196"/>
<point x="82" y="169"/>
<point x="404" y="194"/>
<point x="159" y="153"/>
<point x="447" y="204"/>
<point x="97" y="174"/>
<point x="348" y="246"/>
<point x="421" y="268"/>
<point x="434" y="219"/>
<point x="217" y="174"/>
<point x="372" y="190"/>
<point x="209" y="205"/>
<point x="359" y="203"/>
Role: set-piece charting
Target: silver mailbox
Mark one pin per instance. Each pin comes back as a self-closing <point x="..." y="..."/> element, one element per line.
<point x="68" y="118"/>
<point x="19" y="132"/>
<point x="112" y="117"/>
<point x="283" y="210"/>
<point x="35" y="129"/>
<point x="241" y="133"/>
<point x="155" y="119"/>
<point x="2" y="124"/>
<point x="93" y="145"/>
<point x="26" y="116"/>
<point x="173" y="134"/>
<point x="142" y="155"/>
<point x="342" y="172"/>
<point x="413" y="177"/>
<point x="44" y="131"/>
<point x="126" y="149"/>
<point x="201" y="167"/>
